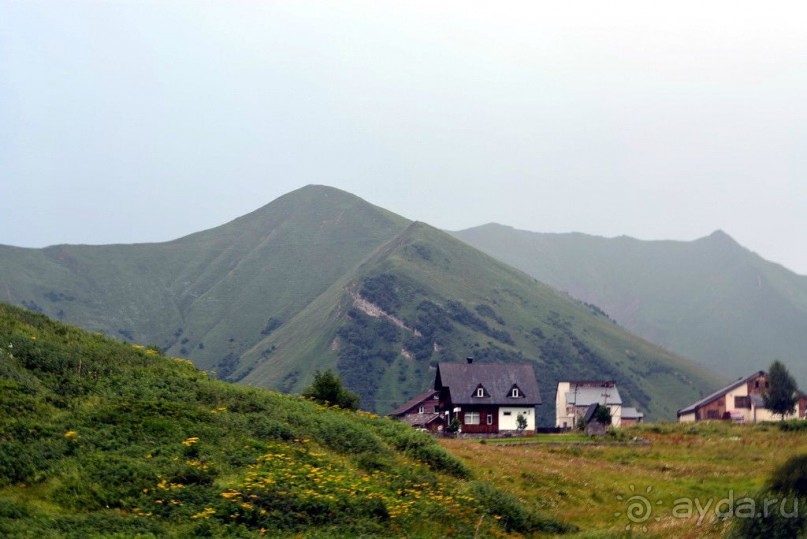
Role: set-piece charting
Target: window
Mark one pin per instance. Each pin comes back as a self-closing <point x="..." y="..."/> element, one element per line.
<point x="514" y="392"/>
<point x="480" y="392"/>
<point x="742" y="402"/>
<point x="490" y="419"/>
<point x="507" y="413"/>
<point x="421" y="409"/>
<point x="712" y="414"/>
<point x="756" y="384"/>
<point x="471" y="418"/>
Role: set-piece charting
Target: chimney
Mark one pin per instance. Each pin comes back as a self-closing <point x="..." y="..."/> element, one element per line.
<point x="469" y="360"/>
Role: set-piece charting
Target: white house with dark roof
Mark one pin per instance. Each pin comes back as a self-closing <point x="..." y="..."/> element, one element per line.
<point x="574" y="397"/>
<point x="487" y="398"/>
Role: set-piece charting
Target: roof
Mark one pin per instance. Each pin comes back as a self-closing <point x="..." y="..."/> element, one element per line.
<point x="498" y="379"/>
<point x="420" y="420"/>
<point x="585" y="396"/>
<point x="629" y="412"/>
<point x="719" y="393"/>
<point x="414" y="401"/>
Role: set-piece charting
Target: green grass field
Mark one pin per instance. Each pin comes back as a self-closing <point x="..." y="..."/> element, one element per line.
<point x="592" y="486"/>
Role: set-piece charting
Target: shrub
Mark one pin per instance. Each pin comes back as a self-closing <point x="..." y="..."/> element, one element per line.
<point x="788" y="486"/>
<point x="513" y="515"/>
<point x="327" y="389"/>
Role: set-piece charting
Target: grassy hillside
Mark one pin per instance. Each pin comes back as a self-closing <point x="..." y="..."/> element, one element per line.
<point x="604" y="489"/>
<point x="710" y="300"/>
<point x="103" y="439"/>
<point x="425" y="297"/>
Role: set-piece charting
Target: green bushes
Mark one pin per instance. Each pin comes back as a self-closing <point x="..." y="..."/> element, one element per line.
<point x="344" y="436"/>
<point x="793" y="425"/>
<point x="422" y="447"/>
<point x="512" y="514"/>
<point x="779" y="508"/>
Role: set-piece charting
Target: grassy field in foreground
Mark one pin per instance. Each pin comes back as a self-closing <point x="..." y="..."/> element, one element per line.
<point x="594" y="487"/>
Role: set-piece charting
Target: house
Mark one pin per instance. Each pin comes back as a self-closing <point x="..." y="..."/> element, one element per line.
<point x="631" y="416"/>
<point x="740" y="401"/>
<point x="574" y="397"/>
<point x="487" y="398"/>
<point x="421" y="411"/>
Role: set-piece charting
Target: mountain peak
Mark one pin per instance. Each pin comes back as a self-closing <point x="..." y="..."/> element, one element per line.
<point x="720" y="237"/>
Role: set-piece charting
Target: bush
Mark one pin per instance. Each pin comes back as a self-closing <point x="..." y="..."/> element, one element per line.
<point x="327" y="389"/>
<point x="788" y="485"/>
<point x="514" y="517"/>
<point x="344" y="436"/>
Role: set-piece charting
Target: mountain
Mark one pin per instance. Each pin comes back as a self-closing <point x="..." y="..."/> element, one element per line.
<point x="710" y="299"/>
<point x="321" y="279"/>
<point x="104" y="439"/>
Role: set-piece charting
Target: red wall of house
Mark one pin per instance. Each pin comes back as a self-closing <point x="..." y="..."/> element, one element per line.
<point x="483" y="426"/>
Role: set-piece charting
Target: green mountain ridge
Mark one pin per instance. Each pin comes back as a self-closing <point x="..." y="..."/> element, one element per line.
<point x="321" y="279"/>
<point x="711" y="299"/>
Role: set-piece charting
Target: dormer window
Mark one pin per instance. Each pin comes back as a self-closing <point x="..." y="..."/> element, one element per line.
<point x="515" y="392"/>
<point x="480" y="391"/>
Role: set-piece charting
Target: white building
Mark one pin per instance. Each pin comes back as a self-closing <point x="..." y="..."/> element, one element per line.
<point x="740" y="401"/>
<point x="575" y="396"/>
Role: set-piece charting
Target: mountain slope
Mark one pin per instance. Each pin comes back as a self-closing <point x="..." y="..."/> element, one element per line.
<point x="321" y="279"/>
<point x="710" y="299"/>
<point x="426" y="297"/>
<point x="104" y="439"/>
<point x="209" y="295"/>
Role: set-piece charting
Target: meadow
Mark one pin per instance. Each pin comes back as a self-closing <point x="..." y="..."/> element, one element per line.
<point x="670" y="487"/>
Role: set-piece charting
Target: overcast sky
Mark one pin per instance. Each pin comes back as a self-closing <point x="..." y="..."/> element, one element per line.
<point x="130" y="121"/>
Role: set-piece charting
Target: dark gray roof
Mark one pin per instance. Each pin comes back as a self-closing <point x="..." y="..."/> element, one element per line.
<point x="414" y="401"/>
<point x="498" y="379"/>
<point x="719" y="393"/>
<point x="629" y="412"/>
<point x="420" y="420"/>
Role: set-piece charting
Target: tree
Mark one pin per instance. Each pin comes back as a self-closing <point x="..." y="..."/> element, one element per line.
<point x="782" y="393"/>
<point x="603" y="415"/>
<point x="327" y="389"/>
<point x="521" y="423"/>
<point x="454" y="425"/>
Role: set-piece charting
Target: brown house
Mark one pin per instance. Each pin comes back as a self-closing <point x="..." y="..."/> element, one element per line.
<point x="487" y="398"/>
<point x="421" y="411"/>
<point x="740" y="401"/>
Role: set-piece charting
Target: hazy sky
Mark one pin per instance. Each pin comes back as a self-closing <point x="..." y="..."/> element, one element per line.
<point x="127" y="121"/>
